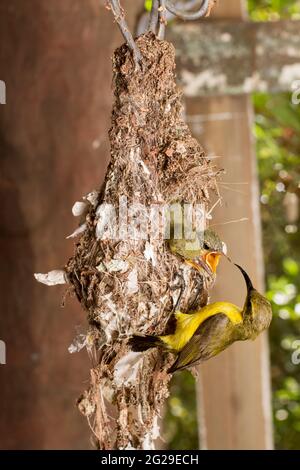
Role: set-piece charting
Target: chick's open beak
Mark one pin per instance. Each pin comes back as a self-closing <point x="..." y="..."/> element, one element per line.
<point x="199" y="266"/>
<point x="212" y="260"/>
<point x="209" y="262"/>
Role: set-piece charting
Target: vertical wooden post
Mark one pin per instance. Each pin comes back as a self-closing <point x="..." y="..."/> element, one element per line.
<point x="234" y="390"/>
<point x="55" y="62"/>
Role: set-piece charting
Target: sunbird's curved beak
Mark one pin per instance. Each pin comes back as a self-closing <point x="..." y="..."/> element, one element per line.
<point x="248" y="309"/>
<point x="246" y="277"/>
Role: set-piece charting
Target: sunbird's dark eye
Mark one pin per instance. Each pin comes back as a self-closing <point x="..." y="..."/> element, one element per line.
<point x="205" y="246"/>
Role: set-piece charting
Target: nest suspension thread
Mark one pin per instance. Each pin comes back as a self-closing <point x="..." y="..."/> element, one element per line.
<point x="158" y="21"/>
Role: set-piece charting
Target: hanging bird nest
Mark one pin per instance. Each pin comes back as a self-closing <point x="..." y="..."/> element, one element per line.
<point x="129" y="285"/>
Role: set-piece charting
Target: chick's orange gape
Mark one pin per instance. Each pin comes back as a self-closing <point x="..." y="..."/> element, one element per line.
<point x="210" y="260"/>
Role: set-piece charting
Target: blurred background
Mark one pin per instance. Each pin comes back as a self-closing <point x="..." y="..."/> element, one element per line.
<point x="276" y="126"/>
<point x="55" y="61"/>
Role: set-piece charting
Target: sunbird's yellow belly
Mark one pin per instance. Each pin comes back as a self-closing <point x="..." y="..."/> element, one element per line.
<point x="187" y="324"/>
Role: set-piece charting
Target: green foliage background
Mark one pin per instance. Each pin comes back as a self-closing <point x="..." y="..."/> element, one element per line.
<point x="277" y="132"/>
<point x="278" y="147"/>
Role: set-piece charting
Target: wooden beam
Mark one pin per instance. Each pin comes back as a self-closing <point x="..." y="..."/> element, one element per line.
<point x="234" y="388"/>
<point x="234" y="57"/>
<point x="230" y="9"/>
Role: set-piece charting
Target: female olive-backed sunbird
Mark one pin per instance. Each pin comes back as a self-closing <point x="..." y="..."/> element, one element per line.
<point x="203" y="334"/>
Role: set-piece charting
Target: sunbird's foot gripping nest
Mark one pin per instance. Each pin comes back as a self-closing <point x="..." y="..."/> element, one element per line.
<point x="127" y="286"/>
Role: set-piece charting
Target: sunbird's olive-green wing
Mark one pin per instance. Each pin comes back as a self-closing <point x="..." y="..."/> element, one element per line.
<point x="212" y="337"/>
<point x="188" y="323"/>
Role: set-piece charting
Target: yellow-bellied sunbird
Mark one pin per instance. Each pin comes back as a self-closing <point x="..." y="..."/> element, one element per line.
<point x="205" y="333"/>
<point x="202" y="252"/>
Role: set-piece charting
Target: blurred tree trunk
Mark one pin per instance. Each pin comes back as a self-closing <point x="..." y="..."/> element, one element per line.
<point x="54" y="59"/>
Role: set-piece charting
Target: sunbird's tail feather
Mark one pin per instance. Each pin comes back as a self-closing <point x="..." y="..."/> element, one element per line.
<point x="143" y="343"/>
